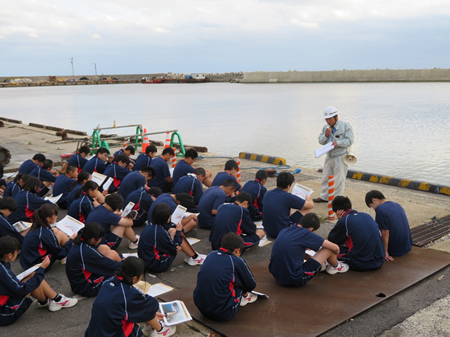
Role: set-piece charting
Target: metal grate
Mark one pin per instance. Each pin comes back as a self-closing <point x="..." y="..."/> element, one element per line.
<point x="430" y="231"/>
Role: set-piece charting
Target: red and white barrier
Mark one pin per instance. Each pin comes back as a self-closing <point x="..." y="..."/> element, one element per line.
<point x="238" y="173"/>
<point x="330" y="197"/>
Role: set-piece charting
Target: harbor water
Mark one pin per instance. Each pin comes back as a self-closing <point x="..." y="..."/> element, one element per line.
<point x="401" y="129"/>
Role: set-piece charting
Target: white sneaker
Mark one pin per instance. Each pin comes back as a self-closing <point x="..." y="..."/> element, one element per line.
<point x="166" y="331"/>
<point x="249" y="299"/>
<point x="133" y="245"/>
<point x="340" y="268"/>
<point x="65" y="302"/>
<point x="195" y="262"/>
<point x="324" y="266"/>
<point x="42" y="306"/>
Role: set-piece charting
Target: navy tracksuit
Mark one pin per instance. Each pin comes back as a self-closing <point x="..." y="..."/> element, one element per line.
<point x="130" y="183"/>
<point x="11" y="189"/>
<point x="6" y="229"/>
<point x="143" y="160"/>
<point x="142" y="203"/>
<point x="27" y="204"/>
<point x="81" y="207"/>
<point x="62" y="186"/>
<point x="189" y="184"/>
<point x="95" y="165"/>
<point x="117" y="173"/>
<point x="78" y="161"/>
<point x="257" y="192"/>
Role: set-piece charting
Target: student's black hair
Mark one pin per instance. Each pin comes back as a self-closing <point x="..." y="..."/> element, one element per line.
<point x="150" y="170"/>
<point x="191" y="153"/>
<point x="8" y="245"/>
<point x="82" y="176"/>
<point x="89" y="185"/>
<point x="1" y="171"/>
<point x="151" y="148"/>
<point x="84" y="149"/>
<point x="341" y="202"/>
<point x="261" y="175"/>
<point x="115" y="201"/>
<point x="231" y="241"/>
<point x="91" y="230"/>
<point x="18" y="177"/>
<point x="168" y="150"/>
<point x="374" y="194"/>
<point x="161" y="213"/>
<point x="155" y="191"/>
<point x="310" y="220"/>
<point x="102" y="150"/>
<point x="8" y="203"/>
<point x="39" y="157"/>
<point x="200" y="171"/>
<point x="131" y="149"/>
<point x="132" y="266"/>
<point x="123" y="158"/>
<point x="40" y="216"/>
<point x="229" y="183"/>
<point x="48" y="163"/>
<point x="231" y="164"/>
<point x="71" y="168"/>
<point x="244" y="196"/>
<point x="185" y="200"/>
<point x="285" y="179"/>
<point x="31" y="184"/>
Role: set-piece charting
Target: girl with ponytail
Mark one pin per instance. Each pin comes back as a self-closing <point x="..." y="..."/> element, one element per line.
<point x="85" y="201"/>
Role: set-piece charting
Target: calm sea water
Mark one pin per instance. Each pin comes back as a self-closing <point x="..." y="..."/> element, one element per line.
<point x="401" y="129"/>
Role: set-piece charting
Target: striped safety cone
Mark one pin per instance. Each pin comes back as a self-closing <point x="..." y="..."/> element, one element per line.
<point x="146" y="142"/>
<point x="167" y="140"/>
<point x="174" y="158"/>
<point x="124" y="144"/>
<point x="238" y="173"/>
<point x="330" y="197"/>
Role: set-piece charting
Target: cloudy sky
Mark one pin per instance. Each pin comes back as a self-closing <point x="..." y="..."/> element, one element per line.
<point x="39" y="37"/>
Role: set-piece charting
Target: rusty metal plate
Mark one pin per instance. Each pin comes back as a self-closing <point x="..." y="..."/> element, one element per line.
<point x="430" y="231"/>
<point x="325" y="302"/>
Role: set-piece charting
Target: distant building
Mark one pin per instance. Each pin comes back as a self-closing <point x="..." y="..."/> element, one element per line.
<point x="198" y="76"/>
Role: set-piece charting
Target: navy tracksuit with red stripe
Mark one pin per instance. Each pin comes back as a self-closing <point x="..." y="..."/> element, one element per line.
<point x="189" y="184"/>
<point x="95" y="164"/>
<point x="157" y="248"/>
<point x="142" y="203"/>
<point x="13" y="300"/>
<point x="143" y="160"/>
<point x="81" y="207"/>
<point x="6" y="229"/>
<point x="78" y="161"/>
<point x="236" y="219"/>
<point x="130" y="183"/>
<point x="257" y="192"/>
<point x="42" y="174"/>
<point x="11" y="189"/>
<point x="87" y="269"/>
<point x="62" y="186"/>
<point x="221" y="281"/>
<point x="27" y="203"/>
<point x="117" y="309"/>
<point x="27" y="166"/>
<point x="40" y="243"/>
<point x="117" y="173"/>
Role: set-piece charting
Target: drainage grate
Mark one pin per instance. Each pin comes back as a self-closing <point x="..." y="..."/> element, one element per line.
<point x="430" y="231"/>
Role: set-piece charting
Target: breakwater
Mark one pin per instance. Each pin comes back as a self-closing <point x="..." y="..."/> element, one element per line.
<point x="374" y="75"/>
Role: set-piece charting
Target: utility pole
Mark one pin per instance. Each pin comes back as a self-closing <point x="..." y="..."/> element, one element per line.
<point x="95" y="66"/>
<point x="73" y="75"/>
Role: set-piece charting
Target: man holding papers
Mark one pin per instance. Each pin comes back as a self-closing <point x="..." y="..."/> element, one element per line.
<point x="340" y="135"/>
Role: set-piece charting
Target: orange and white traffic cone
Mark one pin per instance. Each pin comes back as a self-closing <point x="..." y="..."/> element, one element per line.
<point x="238" y="173"/>
<point x="145" y="142"/>
<point x="330" y="197"/>
<point x="174" y="158"/>
<point x="167" y="140"/>
<point x="124" y="144"/>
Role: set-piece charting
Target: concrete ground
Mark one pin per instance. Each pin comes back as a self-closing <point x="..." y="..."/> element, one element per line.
<point x="419" y="310"/>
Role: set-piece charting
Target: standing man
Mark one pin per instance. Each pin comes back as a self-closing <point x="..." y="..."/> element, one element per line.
<point x="341" y="135"/>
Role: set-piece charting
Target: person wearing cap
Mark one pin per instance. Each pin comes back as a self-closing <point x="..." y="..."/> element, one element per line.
<point x="341" y="135"/>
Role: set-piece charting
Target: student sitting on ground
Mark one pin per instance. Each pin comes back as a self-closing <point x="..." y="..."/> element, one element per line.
<point x="393" y="223"/>
<point x="110" y="218"/>
<point x="288" y="253"/>
<point x="79" y="159"/>
<point x="15" y="293"/>
<point x="85" y="201"/>
<point x="7" y="206"/>
<point x="119" y="306"/>
<point x="230" y="170"/>
<point x="235" y="218"/>
<point x="162" y="179"/>
<point x="135" y="180"/>
<point x="42" y="240"/>
<point x="257" y="191"/>
<point x="98" y="163"/>
<point x="184" y="167"/>
<point x="89" y="264"/>
<point x="192" y="184"/>
<point x="145" y="159"/>
<point x="76" y="186"/>
<point x="12" y="187"/>
<point x="358" y="236"/>
<point x="117" y="170"/>
<point x="160" y="243"/>
<point x="27" y="201"/>
<point x="43" y="173"/>
<point x="173" y="200"/>
<point x="278" y="203"/>
<point x="128" y="151"/>
<point x="30" y="164"/>
<point x="224" y="281"/>
<point x="211" y="200"/>
<point x="63" y="184"/>
<point x="142" y="200"/>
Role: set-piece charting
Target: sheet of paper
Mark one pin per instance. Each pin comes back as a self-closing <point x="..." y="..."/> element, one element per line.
<point x="259" y="225"/>
<point x="27" y="272"/>
<point x="127" y="209"/>
<point x="125" y="255"/>
<point x="107" y="183"/>
<point x="171" y="172"/>
<point x="178" y="214"/>
<point x="21" y="226"/>
<point x="53" y="199"/>
<point x="260" y="294"/>
<point x="158" y="289"/>
<point x="189" y="214"/>
<point x="98" y="178"/>
<point x="175" y="311"/>
<point x="192" y="240"/>
<point x="324" y="149"/>
<point x="69" y="225"/>
<point x="301" y="191"/>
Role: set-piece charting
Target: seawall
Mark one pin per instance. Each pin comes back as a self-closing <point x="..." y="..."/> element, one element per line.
<point x="374" y="75"/>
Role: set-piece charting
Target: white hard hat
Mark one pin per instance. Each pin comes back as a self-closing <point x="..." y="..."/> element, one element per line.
<point x="329" y="112"/>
